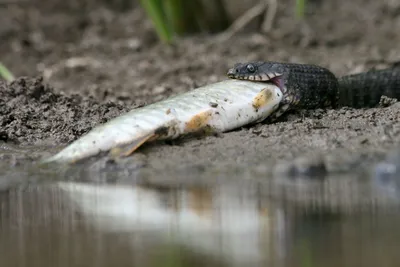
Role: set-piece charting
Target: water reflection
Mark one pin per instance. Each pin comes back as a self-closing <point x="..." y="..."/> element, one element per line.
<point x="72" y="223"/>
<point x="223" y="222"/>
<point x="78" y="224"/>
<point x="386" y="176"/>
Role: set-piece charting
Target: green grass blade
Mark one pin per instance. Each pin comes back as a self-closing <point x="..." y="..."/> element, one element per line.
<point x="300" y="7"/>
<point x="179" y="17"/>
<point x="5" y="73"/>
<point x="175" y="13"/>
<point x="154" y="9"/>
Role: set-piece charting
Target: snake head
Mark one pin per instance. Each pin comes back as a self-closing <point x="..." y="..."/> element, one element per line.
<point x="258" y="71"/>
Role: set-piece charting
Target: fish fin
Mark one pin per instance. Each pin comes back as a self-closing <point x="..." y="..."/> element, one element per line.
<point x="128" y="149"/>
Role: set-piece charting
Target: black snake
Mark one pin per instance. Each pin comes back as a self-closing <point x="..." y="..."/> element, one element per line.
<point x="307" y="86"/>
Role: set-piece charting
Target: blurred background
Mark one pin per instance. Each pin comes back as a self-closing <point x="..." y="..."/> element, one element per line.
<point x="215" y="201"/>
<point x="131" y="44"/>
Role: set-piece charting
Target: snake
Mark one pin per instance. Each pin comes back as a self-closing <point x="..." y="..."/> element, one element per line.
<point x="309" y="86"/>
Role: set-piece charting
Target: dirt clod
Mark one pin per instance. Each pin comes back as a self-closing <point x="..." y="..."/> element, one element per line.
<point x="31" y="112"/>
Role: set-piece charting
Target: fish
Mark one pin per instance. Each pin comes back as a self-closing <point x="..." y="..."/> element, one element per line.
<point x="218" y="107"/>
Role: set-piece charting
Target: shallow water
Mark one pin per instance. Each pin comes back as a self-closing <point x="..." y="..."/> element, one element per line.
<point x="106" y="213"/>
<point x="82" y="224"/>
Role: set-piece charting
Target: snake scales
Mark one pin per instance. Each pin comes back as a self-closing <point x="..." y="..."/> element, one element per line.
<point x="307" y="86"/>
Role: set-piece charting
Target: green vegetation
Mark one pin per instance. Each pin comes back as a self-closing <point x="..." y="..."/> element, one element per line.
<point x="5" y="73"/>
<point x="173" y="18"/>
<point x="178" y="17"/>
<point x="155" y="11"/>
<point x="300" y="7"/>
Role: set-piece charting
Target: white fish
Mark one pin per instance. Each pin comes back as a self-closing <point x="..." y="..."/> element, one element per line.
<point x="219" y="107"/>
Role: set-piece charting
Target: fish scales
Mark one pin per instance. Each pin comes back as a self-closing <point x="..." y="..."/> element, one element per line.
<point x="222" y="106"/>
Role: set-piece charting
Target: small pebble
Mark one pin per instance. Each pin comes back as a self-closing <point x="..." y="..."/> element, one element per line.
<point x="307" y="167"/>
<point x="389" y="168"/>
<point x="158" y="90"/>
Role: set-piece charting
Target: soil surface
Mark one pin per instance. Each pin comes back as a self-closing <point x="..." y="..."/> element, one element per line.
<point x="80" y="63"/>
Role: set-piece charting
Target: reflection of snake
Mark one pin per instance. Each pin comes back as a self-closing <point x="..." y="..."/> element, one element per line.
<point x="309" y="86"/>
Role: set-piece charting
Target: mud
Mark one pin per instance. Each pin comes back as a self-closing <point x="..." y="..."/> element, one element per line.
<point x="32" y="113"/>
<point x="97" y="62"/>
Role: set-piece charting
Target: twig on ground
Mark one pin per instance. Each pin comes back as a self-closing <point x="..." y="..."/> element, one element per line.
<point x="243" y="20"/>
<point x="269" y="16"/>
<point x="269" y="7"/>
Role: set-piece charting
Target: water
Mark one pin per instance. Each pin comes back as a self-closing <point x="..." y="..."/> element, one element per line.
<point x="81" y="224"/>
<point x="111" y="215"/>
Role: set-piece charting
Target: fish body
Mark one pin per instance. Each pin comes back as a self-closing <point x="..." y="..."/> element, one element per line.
<point x="219" y="107"/>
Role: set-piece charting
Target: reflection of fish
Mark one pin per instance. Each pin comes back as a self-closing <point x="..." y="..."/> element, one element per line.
<point x="218" y="107"/>
<point x="387" y="174"/>
<point x="228" y="221"/>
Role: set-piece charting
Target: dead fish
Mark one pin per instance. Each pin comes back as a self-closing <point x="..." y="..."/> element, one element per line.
<point x="218" y="107"/>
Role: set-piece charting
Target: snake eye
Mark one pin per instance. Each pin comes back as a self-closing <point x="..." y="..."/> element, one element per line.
<point x="251" y="68"/>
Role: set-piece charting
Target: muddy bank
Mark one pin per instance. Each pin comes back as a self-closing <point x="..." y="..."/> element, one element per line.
<point x="112" y="62"/>
<point x="32" y="113"/>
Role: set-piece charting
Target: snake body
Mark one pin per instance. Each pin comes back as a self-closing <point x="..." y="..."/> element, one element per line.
<point x="307" y="86"/>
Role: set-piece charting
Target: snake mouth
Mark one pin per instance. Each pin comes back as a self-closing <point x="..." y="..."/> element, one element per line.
<point x="288" y="99"/>
<point x="234" y="73"/>
<point x="272" y="77"/>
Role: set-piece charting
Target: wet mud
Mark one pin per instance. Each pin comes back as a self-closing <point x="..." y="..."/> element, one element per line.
<point x="78" y="69"/>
